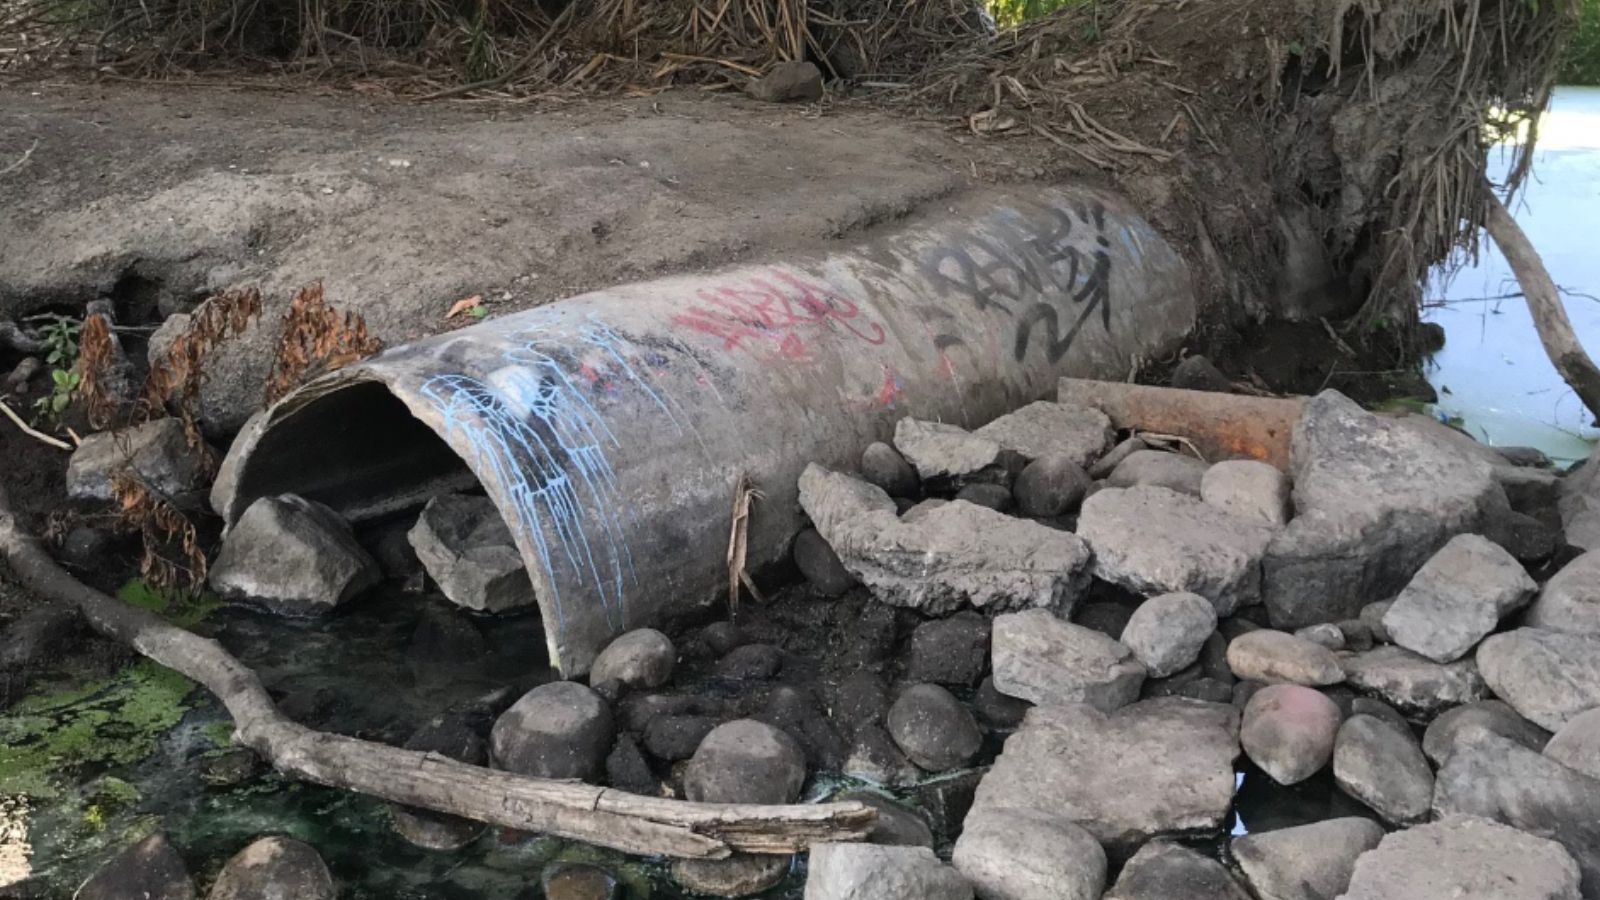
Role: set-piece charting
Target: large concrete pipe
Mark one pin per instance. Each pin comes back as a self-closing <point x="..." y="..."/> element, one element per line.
<point x="611" y="429"/>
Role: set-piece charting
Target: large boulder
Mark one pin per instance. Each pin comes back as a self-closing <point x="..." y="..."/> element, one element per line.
<point x="1547" y="676"/>
<point x="946" y="556"/>
<point x="293" y="555"/>
<point x="1162" y="870"/>
<point x="1289" y="731"/>
<point x="1373" y="500"/>
<point x="1276" y="657"/>
<point x="1457" y="598"/>
<point x="1043" y="428"/>
<point x="1502" y="780"/>
<point x="1412" y="683"/>
<point x="557" y="730"/>
<point x="1461" y="857"/>
<point x="1167" y="632"/>
<point x="1043" y="659"/>
<point x="150" y="870"/>
<point x="468" y="551"/>
<point x="1152" y="540"/>
<point x="878" y="872"/>
<point x="1383" y="766"/>
<point x="1580" y="504"/>
<point x="745" y="761"/>
<point x="1155" y="767"/>
<point x="944" y="452"/>
<point x="274" y="868"/>
<point x="1019" y="854"/>
<point x="1570" y="601"/>
<point x="1306" y="862"/>
<point x="157" y="453"/>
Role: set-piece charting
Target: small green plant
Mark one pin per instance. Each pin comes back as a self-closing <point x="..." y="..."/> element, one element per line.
<point x="60" y="337"/>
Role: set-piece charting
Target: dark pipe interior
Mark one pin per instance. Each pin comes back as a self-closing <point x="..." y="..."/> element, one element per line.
<point x="358" y="450"/>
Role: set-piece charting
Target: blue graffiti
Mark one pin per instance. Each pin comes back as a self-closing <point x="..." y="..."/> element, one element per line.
<point x="532" y="430"/>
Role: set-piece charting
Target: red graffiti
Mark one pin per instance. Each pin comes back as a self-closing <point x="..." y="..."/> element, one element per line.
<point x="775" y="313"/>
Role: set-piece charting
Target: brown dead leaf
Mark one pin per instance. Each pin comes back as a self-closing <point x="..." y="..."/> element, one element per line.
<point x="465" y="304"/>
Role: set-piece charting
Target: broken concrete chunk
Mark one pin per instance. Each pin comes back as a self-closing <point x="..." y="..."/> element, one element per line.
<point x="1547" y="676"/>
<point x="1158" y="468"/>
<point x="1457" y="598"/>
<point x="1044" y="428"/>
<point x="1045" y="660"/>
<point x="158" y="453"/>
<point x="1571" y="600"/>
<point x="1249" y="489"/>
<point x="1461" y="857"/>
<point x="467" y="550"/>
<point x="937" y="450"/>
<point x="945" y="556"/>
<point x="294" y="555"/>
<point x="1373" y="499"/>
<point x="1152" y="540"/>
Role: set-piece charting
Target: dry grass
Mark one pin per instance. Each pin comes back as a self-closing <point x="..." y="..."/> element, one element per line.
<point x="316" y="340"/>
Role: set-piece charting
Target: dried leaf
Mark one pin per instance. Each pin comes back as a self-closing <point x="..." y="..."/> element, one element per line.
<point x="473" y="304"/>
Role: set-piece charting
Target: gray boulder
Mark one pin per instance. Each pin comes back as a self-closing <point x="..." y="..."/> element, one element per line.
<point x="1277" y="657"/>
<point x="1457" y="598"/>
<point x="1151" y="540"/>
<point x="157" y="452"/>
<point x="883" y="466"/>
<point x="1043" y="429"/>
<point x="293" y="555"/>
<point x="1461" y="857"/>
<point x="1411" y="683"/>
<point x="1155" y="767"/>
<point x="148" y="870"/>
<point x="642" y="658"/>
<point x="947" y="556"/>
<point x="274" y="868"/>
<point x="1580" y="504"/>
<point x="1289" y="731"/>
<point x="1043" y="659"/>
<point x="1502" y="780"/>
<point x="940" y="451"/>
<point x="1167" y="632"/>
<point x="1019" y="854"/>
<point x="1464" y="722"/>
<point x="877" y="872"/>
<point x="1570" y="601"/>
<point x="557" y="730"/>
<point x="1577" y="744"/>
<point x="467" y="550"/>
<point x="1158" y="468"/>
<point x="1547" y="676"/>
<point x="1166" y="871"/>
<point x="1383" y="767"/>
<point x="1051" y="485"/>
<point x="933" y="728"/>
<point x="1249" y="489"/>
<point x="745" y="761"/>
<point x="1373" y="499"/>
<point x="1307" y="862"/>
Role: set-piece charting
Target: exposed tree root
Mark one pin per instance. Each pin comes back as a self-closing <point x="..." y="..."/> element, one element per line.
<point x="627" y="822"/>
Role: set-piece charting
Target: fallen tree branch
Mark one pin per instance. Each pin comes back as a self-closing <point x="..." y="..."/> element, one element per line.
<point x="630" y="823"/>
<point x="1544" y="304"/>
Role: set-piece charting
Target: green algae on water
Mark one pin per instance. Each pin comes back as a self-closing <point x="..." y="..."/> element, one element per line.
<point x="182" y="609"/>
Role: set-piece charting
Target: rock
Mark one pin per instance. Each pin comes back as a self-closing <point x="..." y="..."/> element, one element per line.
<point x="996" y="709"/>
<point x="1308" y="862"/>
<point x="445" y="645"/>
<point x="820" y="565"/>
<point x="990" y="496"/>
<point x="897" y="825"/>
<point x="578" y="881"/>
<point x="148" y="870"/>
<point x="1412" y="683"/>
<point x="797" y="713"/>
<point x="1214" y="658"/>
<point x="1248" y="489"/>
<point x="1042" y="659"/>
<point x="1325" y="634"/>
<point x="157" y="452"/>
<point x="947" y="557"/>
<point x="85" y="547"/>
<point x="1029" y="855"/>
<point x="1547" y="676"/>
<point x="1276" y="657"/>
<point x="875" y="634"/>
<point x="1197" y="373"/>
<point x="1158" y="468"/>
<point x="1110" y="619"/>
<point x="1528" y="457"/>
<point x="1289" y="731"/>
<point x="745" y="761"/>
<point x="953" y="651"/>
<point x="467" y="550"/>
<point x="1043" y="429"/>
<point x="450" y="737"/>
<point x="1167" y="632"/>
<point x="940" y="451"/>
<point x="671" y="738"/>
<point x="877" y="872"/>
<point x="1105" y="465"/>
<point x="1050" y="486"/>
<point x="1577" y="744"/>
<point x="1457" y="598"/>
<point x="860" y="700"/>
<point x="947" y="799"/>
<point x="1151" y="540"/>
<point x="638" y="710"/>
<point x="293" y="555"/>
<point x="1570" y="601"/>
<point x="740" y="875"/>
<point x="933" y="729"/>
<point x="1580" y="504"/>
<point x="1499" y="779"/>
<point x="1371" y="706"/>
<point x="628" y="770"/>
<point x="1383" y="767"/>
<point x="1529" y="490"/>
<point x="1526" y="538"/>
<point x="642" y="658"/>
<point x="1357" y="636"/>
<point x="1155" y="767"/>
<point x="875" y="759"/>
<point x="1162" y="870"/>
<point x="557" y="730"/>
<point x="1372" y="615"/>
<point x="721" y="637"/>
<point x="751" y="662"/>
<point x="1464" y="722"/>
<point x="1374" y="499"/>
<point x="274" y="868"/>
<point x="39" y="635"/>
<point x="786" y="82"/>
<point x="1463" y="857"/>
<point x="884" y="467"/>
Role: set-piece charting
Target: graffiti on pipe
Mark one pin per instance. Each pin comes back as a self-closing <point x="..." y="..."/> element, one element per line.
<point x="774" y="314"/>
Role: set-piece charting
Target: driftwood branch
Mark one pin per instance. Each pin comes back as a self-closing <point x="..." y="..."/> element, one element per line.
<point x="1544" y="303"/>
<point x="628" y="822"/>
